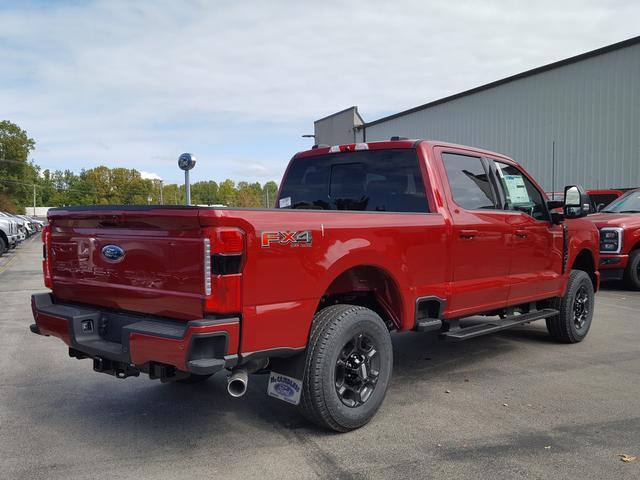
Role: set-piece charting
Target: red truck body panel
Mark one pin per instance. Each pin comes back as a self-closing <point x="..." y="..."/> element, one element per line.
<point x="282" y="285"/>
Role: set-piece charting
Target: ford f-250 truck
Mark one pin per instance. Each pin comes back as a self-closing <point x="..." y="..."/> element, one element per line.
<point x="619" y="225"/>
<point x="366" y="239"/>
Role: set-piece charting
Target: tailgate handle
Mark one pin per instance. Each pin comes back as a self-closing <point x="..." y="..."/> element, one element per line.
<point x="521" y="233"/>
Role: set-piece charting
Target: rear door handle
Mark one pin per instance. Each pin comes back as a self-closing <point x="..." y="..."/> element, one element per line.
<point x="521" y="233"/>
<point x="468" y="234"/>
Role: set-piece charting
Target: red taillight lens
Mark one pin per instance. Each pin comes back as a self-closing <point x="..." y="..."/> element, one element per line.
<point x="350" y="147"/>
<point x="228" y="241"/>
<point x="223" y="260"/>
<point x="46" y="265"/>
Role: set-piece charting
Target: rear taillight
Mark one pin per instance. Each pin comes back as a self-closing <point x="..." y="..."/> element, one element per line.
<point x="46" y="264"/>
<point x="224" y="249"/>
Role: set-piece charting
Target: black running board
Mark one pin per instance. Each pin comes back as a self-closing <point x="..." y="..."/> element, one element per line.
<point x="459" y="334"/>
<point x="428" y="325"/>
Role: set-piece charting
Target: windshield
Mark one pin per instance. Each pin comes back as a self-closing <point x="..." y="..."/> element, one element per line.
<point x="627" y="203"/>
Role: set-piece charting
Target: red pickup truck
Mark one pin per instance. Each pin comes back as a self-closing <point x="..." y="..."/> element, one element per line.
<point x="619" y="226"/>
<point x="366" y="239"/>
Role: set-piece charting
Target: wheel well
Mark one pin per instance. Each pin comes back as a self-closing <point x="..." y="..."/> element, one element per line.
<point x="370" y="287"/>
<point x="584" y="261"/>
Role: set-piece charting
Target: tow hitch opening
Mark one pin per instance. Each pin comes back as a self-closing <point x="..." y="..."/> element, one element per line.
<point x="117" y="369"/>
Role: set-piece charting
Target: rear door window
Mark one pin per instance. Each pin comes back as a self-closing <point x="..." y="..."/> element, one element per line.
<point x="371" y="180"/>
<point x="469" y="181"/>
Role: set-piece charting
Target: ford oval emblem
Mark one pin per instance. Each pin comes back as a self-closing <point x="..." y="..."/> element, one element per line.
<point x="112" y="253"/>
<point x="284" y="390"/>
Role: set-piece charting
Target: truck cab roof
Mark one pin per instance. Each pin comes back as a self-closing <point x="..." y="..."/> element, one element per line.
<point x="396" y="144"/>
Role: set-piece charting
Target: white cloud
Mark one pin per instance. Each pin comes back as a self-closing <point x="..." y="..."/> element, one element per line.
<point x="137" y="83"/>
<point x="149" y="175"/>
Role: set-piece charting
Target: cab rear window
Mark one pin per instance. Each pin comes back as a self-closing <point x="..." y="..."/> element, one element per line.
<point x="371" y="180"/>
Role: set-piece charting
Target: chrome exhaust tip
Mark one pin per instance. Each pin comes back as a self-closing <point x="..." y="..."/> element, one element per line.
<point x="237" y="382"/>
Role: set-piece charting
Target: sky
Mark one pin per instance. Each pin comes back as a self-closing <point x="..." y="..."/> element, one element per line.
<point x="134" y="84"/>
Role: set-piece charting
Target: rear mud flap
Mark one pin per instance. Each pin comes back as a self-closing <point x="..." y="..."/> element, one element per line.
<point x="285" y="379"/>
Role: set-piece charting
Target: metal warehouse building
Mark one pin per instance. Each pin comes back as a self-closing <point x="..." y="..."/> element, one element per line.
<point x="573" y="121"/>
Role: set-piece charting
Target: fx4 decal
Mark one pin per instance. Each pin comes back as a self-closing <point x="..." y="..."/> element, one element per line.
<point x="293" y="239"/>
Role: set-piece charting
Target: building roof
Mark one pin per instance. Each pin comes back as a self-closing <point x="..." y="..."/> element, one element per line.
<point x="528" y="73"/>
<point x="354" y="108"/>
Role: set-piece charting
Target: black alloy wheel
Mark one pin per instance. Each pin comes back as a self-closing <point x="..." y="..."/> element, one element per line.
<point x="581" y="307"/>
<point x="357" y="370"/>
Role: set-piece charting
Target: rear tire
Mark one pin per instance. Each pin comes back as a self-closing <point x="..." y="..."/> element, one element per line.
<point x="572" y="324"/>
<point x="632" y="272"/>
<point x="347" y="369"/>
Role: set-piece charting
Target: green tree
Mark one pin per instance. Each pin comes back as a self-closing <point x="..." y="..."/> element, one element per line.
<point x="17" y="175"/>
<point x="173" y="194"/>
<point x="227" y="193"/>
<point x="204" y="193"/>
<point x="249" y="195"/>
<point x="270" y="191"/>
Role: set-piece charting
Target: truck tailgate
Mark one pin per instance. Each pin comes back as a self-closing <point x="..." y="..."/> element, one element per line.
<point x="141" y="259"/>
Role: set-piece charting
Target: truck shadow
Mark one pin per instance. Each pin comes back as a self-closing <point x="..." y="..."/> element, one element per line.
<point x="617" y="286"/>
<point x="423" y="357"/>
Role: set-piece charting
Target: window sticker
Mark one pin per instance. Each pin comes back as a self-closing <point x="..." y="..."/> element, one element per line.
<point x="516" y="188"/>
<point x="285" y="202"/>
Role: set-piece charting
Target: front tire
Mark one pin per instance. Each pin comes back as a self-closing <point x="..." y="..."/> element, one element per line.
<point x="632" y="272"/>
<point x="572" y="324"/>
<point x="348" y="367"/>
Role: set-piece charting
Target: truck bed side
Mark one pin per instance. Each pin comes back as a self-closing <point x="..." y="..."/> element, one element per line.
<point x="283" y="282"/>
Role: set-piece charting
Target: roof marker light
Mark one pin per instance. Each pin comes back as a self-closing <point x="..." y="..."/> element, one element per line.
<point x="348" y="147"/>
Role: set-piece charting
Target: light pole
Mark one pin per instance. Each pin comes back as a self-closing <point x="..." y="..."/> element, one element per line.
<point x="186" y="162"/>
<point x="149" y="199"/>
<point x="161" y="199"/>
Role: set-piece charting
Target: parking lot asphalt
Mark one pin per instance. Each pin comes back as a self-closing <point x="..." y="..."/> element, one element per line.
<point x="511" y="405"/>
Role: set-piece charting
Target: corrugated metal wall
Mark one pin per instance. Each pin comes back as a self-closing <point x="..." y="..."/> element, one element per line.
<point x="591" y="109"/>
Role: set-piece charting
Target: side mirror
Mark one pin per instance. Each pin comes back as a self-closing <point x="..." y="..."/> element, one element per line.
<point x="576" y="202"/>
